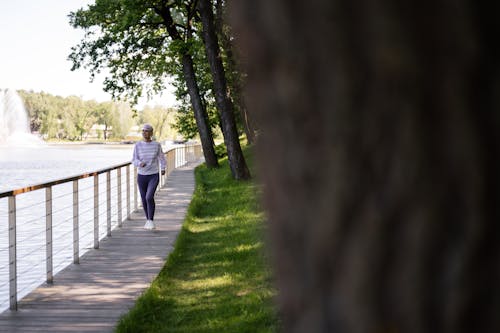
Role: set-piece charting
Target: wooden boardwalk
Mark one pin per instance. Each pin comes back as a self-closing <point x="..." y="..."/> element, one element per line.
<point x="91" y="296"/>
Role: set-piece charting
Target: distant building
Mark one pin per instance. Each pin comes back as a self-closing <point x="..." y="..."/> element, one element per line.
<point x="100" y="131"/>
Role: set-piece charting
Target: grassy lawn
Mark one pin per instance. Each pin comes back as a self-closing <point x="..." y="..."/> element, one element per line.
<point x="217" y="278"/>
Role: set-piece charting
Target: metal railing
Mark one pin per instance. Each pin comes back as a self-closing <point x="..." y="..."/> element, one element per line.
<point x="175" y="157"/>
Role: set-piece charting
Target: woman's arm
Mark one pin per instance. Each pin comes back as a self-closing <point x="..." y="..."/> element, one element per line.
<point x="135" y="157"/>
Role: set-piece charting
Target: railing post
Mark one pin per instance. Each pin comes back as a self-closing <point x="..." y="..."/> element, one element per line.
<point x="162" y="179"/>
<point x="169" y="163"/>
<point x="96" y="211"/>
<point x="172" y="161"/>
<point x="160" y="183"/>
<point x="119" y="177"/>
<point x="76" y="232"/>
<point x="48" y="234"/>
<point x="136" y="206"/>
<point x="12" y="254"/>
<point x="108" y="203"/>
<point x="175" y="158"/>
<point x="128" y="191"/>
<point x="167" y="169"/>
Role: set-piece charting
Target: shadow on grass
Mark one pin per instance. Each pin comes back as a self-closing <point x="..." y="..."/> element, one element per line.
<point x="217" y="278"/>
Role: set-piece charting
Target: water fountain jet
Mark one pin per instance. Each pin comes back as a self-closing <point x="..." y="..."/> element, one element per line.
<point x="14" y="124"/>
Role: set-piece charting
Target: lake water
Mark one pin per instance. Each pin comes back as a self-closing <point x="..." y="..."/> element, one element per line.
<point x="25" y="166"/>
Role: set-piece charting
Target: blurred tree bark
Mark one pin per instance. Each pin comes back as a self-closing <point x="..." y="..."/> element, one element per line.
<point x="380" y="155"/>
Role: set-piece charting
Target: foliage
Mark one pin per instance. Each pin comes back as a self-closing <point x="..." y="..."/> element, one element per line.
<point x="185" y="122"/>
<point x="143" y="43"/>
<point x="161" y="119"/>
<point x="217" y="279"/>
<point x="221" y="150"/>
<point x="130" y="39"/>
<point x="71" y="118"/>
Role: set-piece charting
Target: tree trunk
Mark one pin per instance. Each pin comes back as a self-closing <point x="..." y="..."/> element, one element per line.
<point x="232" y="68"/>
<point x="380" y="154"/>
<point x="237" y="162"/>
<point x="200" y="112"/>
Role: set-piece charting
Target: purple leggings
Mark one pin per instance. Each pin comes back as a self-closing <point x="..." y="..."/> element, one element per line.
<point x="147" y="187"/>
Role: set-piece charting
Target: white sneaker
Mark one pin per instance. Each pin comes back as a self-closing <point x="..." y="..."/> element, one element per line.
<point x="150" y="225"/>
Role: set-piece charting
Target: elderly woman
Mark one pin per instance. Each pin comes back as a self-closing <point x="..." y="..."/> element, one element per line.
<point x="147" y="155"/>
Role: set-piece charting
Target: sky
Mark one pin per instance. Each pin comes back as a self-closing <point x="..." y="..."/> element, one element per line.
<point x="35" y="41"/>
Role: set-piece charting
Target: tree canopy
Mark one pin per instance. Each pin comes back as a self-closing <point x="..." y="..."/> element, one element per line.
<point x="127" y="39"/>
<point x="141" y="44"/>
<point x="72" y="118"/>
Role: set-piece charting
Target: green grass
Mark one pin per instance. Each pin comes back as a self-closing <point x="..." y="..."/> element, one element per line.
<point x="217" y="278"/>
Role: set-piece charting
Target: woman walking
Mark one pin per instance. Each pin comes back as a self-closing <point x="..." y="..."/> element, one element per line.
<point x="147" y="154"/>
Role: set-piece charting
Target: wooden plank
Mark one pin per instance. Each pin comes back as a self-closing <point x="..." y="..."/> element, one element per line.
<point x="91" y="296"/>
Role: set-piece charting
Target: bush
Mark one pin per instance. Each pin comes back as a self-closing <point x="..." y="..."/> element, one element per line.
<point x="220" y="150"/>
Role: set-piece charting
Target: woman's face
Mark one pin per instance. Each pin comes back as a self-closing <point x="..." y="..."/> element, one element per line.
<point x="147" y="134"/>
